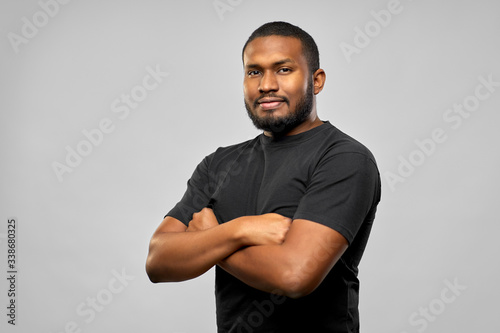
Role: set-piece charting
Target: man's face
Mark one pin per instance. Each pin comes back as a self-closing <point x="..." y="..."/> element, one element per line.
<point x="278" y="87"/>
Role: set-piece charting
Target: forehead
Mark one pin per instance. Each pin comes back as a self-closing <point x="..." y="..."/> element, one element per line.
<point x="272" y="49"/>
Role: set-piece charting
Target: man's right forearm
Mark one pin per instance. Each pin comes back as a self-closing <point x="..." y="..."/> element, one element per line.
<point x="177" y="253"/>
<point x="179" y="256"/>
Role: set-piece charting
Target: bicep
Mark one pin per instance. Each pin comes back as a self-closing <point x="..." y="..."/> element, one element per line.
<point x="170" y="224"/>
<point x="197" y="194"/>
<point x="314" y="249"/>
<point x="342" y="191"/>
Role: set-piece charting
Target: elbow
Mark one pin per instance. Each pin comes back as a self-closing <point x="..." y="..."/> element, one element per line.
<point x="152" y="272"/>
<point x="157" y="273"/>
<point x="296" y="285"/>
<point x="153" y="278"/>
<point x="296" y="292"/>
<point x="156" y="267"/>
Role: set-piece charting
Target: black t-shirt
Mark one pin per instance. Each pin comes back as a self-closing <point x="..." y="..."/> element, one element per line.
<point x="321" y="175"/>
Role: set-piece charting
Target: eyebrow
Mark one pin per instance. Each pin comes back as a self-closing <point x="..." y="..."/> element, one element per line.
<point x="277" y="63"/>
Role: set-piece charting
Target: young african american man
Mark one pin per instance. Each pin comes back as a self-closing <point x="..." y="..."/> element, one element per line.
<point x="284" y="217"/>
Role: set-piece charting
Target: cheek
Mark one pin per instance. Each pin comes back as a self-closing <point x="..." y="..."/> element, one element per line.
<point x="295" y="91"/>
<point x="248" y="92"/>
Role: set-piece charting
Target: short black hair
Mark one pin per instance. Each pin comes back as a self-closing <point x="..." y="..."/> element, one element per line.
<point x="278" y="28"/>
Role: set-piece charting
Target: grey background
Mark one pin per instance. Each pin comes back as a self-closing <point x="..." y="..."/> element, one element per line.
<point x="437" y="227"/>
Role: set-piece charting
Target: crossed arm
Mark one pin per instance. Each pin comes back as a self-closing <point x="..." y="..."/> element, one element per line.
<point x="268" y="252"/>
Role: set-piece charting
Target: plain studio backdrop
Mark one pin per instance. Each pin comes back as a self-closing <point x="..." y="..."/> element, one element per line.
<point x="108" y="106"/>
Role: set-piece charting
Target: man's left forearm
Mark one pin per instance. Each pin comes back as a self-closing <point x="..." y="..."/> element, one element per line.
<point x="265" y="267"/>
<point x="294" y="268"/>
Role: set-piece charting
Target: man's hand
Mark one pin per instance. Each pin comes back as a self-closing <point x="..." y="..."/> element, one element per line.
<point x="204" y="219"/>
<point x="267" y="229"/>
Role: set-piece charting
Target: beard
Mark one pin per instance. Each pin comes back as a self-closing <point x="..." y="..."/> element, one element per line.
<point x="280" y="126"/>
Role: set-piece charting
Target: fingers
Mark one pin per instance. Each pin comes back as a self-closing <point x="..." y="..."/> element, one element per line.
<point x="267" y="229"/>
<point x="204" y="219"/>
<point x="285" y="226"/>
<point x="204" y="212"/>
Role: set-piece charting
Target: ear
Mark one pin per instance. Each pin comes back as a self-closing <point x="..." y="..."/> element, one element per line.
<point x="319" y="78"/>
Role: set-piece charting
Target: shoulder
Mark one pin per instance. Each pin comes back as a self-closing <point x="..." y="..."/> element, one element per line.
<point x="228" y="153"/>
<point x="237" y="146"/>
<point x="339" y="145"/>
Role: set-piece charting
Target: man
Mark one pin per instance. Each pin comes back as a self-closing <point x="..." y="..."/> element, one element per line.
<point x="284" y="217"/>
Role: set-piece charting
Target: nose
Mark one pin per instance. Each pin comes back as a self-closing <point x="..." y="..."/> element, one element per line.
<point x="268" y="83"/>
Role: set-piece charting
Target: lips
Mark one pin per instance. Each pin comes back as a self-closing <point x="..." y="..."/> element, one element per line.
<point x="270" y="103"/>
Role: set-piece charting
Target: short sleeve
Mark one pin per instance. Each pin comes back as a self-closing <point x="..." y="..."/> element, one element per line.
<point x="197" y="194"/>
<point x="343" y="190"/>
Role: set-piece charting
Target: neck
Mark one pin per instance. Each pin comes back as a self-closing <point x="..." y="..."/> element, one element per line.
<point x="311" y="122"/>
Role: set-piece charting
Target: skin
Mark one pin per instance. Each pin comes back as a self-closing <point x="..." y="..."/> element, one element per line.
<point x="275" y="65"/>
<point x="269" y="252"/>
<point x="178" y="253"/>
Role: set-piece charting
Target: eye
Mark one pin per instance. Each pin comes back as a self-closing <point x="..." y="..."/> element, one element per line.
<point x="284" y="70"/>
<point x="253" y="73"/>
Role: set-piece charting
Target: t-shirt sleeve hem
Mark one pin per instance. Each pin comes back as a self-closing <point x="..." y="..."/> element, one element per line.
<point x="329" y="222"/>
<point x="177" y="217"/>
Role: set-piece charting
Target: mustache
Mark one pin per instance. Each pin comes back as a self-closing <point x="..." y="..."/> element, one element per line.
<point x="256" y="102"/>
